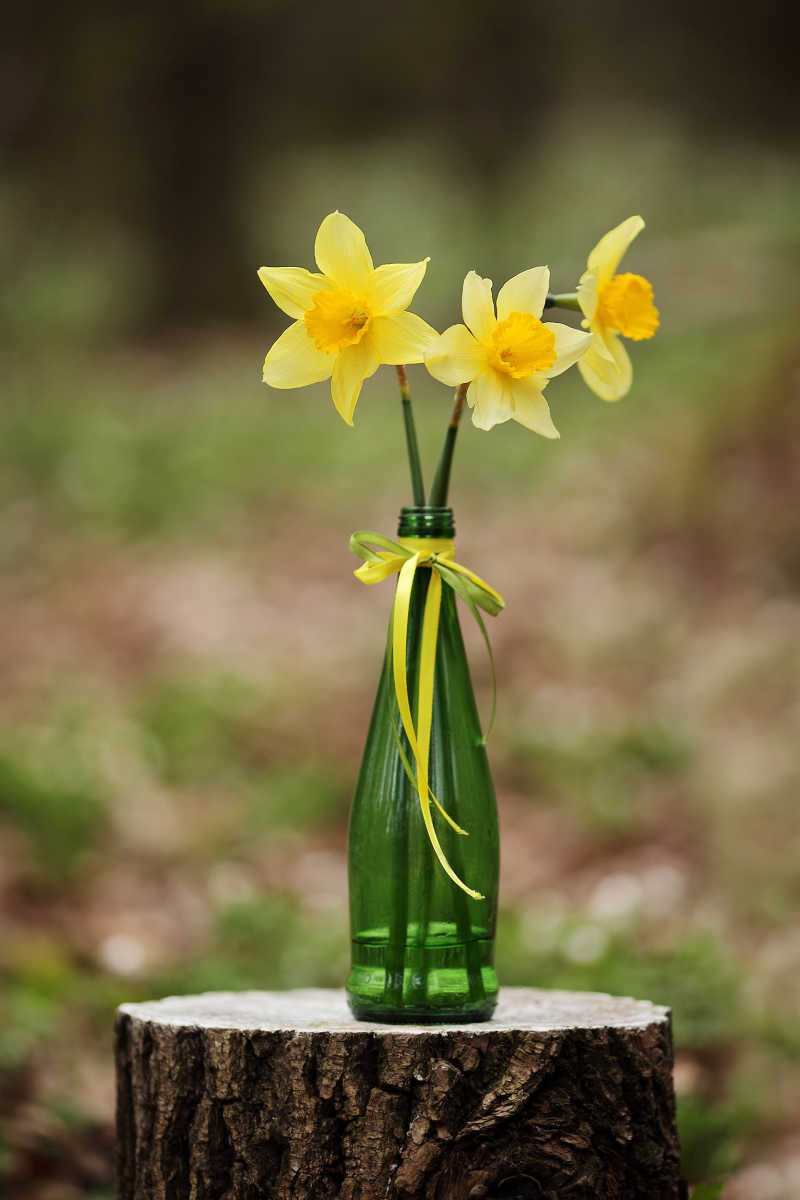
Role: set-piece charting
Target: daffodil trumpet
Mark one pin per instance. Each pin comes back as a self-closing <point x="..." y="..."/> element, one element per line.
<point x="404" y="558"/>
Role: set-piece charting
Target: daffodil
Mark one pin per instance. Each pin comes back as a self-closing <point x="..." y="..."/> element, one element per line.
<point x="612" y="305"/>
<point x="348" y="318"/>
<point x="508" y="357"/>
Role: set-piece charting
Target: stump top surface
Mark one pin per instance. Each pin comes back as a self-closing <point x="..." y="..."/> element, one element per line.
<point x="315" y="1010"/>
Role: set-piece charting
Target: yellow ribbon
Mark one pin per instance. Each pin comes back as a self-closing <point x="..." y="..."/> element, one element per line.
<point x="403" y="558"/>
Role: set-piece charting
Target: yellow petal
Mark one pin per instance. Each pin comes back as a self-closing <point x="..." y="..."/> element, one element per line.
<point x="353" y="365"/>
<point x="605" y="257"/>
<point x="599" y="344"/>
<point x="525" y="293"/>
<point x="401" y="337"/>
<point x="531" y="409"/>
<point x="455" y="357"/>
<point x="393" y="285"/>
<point x="341" y="253"/>
<point x="490" y="398"/>
<point x="294" y="361"/>
<point x="570" y="345"/>
<point x="292" y="288"/>
<point x="477" y="306"/>
<point x="587" y="294"/>
<point x="608" y="379"/>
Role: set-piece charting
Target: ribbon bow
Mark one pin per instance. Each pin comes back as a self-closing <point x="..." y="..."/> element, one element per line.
<point x="404" y="557"/>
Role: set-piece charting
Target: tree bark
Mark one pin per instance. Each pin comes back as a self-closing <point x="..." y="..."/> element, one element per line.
<point x="283" y="1096"/>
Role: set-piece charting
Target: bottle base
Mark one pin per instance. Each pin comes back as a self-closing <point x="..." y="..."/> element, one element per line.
<point x="419" y="1015"/>
<point x="433" y="984"/>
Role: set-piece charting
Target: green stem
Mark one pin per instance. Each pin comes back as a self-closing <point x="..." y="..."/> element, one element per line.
<point x="415" y="466"/>
<point x="446" y="786"/>
<point x="441" y="480"/>
<point x="398" y="930"/>
<point x="563" y="300"/>
<point x="397" y="950"/>
<point x="418" y="983"/>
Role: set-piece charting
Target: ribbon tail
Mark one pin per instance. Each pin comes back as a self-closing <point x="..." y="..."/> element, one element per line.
<point x="493" y="713"/>
<point x="460" y="586"/>
<point x="481" y="592"/>
<point x="409" y="770"/>
<point x="427" y="668"/>
<point x="412" y="779"/>
<point x="402" y="603"/>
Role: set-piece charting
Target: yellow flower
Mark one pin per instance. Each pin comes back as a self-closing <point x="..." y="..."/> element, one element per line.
<point x="349" y="319"/>
<point x="613" y="305"/>
<point x="508" y="357"/>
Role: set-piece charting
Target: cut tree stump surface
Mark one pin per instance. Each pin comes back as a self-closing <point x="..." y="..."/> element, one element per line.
<point x="284" y="1096"/>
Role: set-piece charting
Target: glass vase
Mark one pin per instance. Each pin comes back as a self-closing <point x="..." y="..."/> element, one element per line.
<point x="422" y="949"/>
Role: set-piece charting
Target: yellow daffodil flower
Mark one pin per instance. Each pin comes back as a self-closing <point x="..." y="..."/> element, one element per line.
<point x="612" y="305"/>
<point x="508" y="357"/>
<point x="349" y="318"/>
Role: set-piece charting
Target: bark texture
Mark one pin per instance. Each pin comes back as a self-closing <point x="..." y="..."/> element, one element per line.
<point x="283" y="1096"/>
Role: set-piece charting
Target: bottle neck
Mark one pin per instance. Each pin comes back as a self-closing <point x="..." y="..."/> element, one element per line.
<point x="424" y="521"/>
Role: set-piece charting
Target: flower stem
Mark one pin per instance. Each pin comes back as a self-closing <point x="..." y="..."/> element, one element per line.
<point x="563" y="300"/>
<point x="399" y="868"/>
<point x="415" y="466"/>
<point x="441" y="480"/>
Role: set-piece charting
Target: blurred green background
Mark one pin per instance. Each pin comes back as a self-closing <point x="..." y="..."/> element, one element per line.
<point x="188" y="663"/>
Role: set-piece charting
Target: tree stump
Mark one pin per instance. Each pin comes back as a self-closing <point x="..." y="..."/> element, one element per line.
<point x="283" y="1096"/>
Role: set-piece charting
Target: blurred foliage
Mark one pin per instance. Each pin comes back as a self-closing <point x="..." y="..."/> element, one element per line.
<point x="600" y="777"/>
<point x="199" y="727"/>
<point x="692" y="976"/>
<point x="713" y="1135"/>
<point x="708" y="1191"/>
<point x="61" y="818"/>
<point x="265" y="943"/>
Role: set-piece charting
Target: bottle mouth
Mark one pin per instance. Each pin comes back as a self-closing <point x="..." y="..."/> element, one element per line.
<point x="423" y="521"/>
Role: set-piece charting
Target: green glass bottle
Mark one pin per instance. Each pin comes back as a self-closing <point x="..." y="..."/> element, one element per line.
<point x="422" y="949"/>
